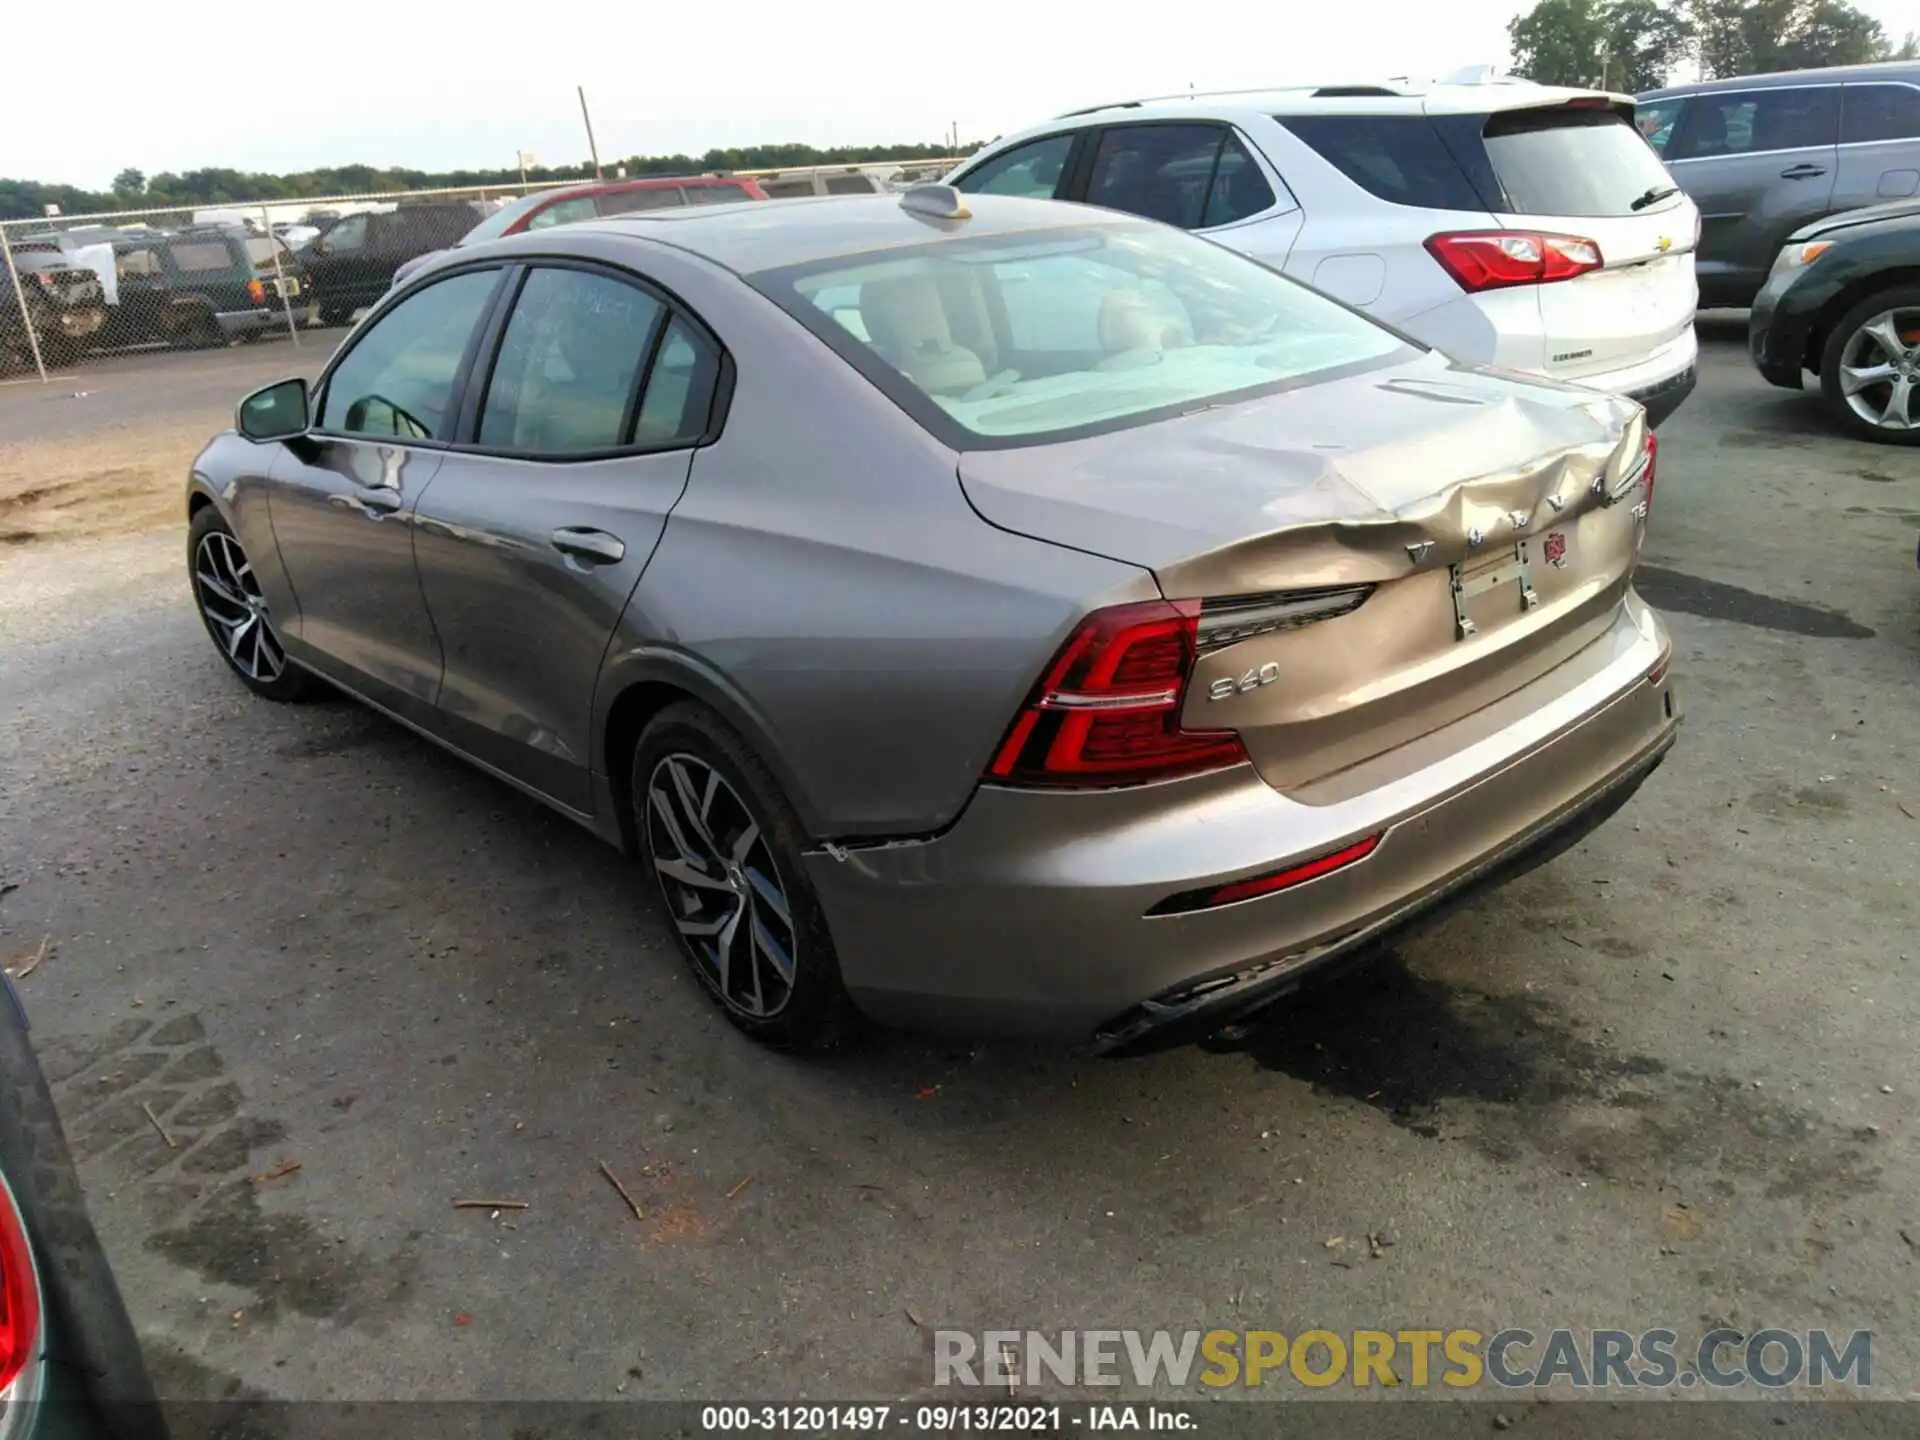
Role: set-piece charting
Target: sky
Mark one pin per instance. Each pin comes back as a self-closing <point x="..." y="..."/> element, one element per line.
<point x="409" y="89"/>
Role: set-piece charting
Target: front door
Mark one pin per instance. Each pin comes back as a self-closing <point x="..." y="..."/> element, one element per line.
<point x="530" y="543"/>
<point x="343" y="499"/>
<point x="1759" y="164"/>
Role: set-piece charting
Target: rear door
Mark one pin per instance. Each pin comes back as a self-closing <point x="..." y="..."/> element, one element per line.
<point x="532" y="538"/>
<point x="1584" y="171"/>
<point x="1879" y="155"/>
<point x="1759" y="164"/>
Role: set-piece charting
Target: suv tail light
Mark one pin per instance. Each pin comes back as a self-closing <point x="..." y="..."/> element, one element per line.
<point x="1495" y="259"/>
<point x="19" y="1294"/>
<point x="1107" y="712"/>
<point x="256" y="292"/>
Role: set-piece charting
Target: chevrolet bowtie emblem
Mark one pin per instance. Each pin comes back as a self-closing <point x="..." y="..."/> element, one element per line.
<point x="1663" y="244"/>
<point x="1417" y="551"/>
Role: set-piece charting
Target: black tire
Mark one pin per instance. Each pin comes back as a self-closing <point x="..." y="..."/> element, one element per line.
<point x="815" y="1014"/>
<point x="1895" y="297"/>
<point x="333" y="316"/>
<point x="291" y="683"/>
<point x="199" y="333"/>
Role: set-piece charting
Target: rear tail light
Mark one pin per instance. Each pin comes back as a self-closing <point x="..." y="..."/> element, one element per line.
<point x="1107" y="712"/>
<point x="19" y="1295"/>
<point x="256" y="292"/>
<point x="1653" y="455"/>
<point x="1496" y="259"/>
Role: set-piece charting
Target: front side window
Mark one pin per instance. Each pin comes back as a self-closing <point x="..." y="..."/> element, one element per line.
<point x="397" y="380"/>
<point x="1021" y="339"/>
<point x="1160" y="171"/>
<point x="569" y="364"/>
<point x="137" y="264"/>
<point x="1751" y="121"/>
<point x="347" y="236"/>
<point x="1032" y="170"/>
<point x="564" y="212"/>
<point x="1880" y="112"/>
<point x="1654" y="120"/>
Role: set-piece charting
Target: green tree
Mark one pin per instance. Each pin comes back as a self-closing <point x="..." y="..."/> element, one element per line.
<point x="130" y="182"/>
<point x="1624" y="45"/>
<point x="1755" y="37"/>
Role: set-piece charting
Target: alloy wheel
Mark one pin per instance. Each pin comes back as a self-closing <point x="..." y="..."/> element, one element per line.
<point x="234" y="608"/>
<point x="1880" y="370"/>
<point x="722" y="888"/>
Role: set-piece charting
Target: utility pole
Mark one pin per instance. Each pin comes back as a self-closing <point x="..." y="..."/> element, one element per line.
<point x="592" y="149"/>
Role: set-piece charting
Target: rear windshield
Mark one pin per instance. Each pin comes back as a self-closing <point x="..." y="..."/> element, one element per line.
<point x="260" y="249"/>
<point x="1024" y="339"/>
<point x="1572" y="162"/>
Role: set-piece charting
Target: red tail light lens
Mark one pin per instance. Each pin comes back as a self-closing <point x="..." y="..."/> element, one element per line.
<point x="1653" y="455"/>
<point x="1107" y="712"/>
<point x="19" y="1294"/>
<point x="256" y="292"/>
<point x="1496" y="259"/>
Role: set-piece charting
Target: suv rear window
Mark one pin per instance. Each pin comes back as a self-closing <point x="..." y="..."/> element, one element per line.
<point x="1571" y="162"/>
<point x="1398" y="158"/>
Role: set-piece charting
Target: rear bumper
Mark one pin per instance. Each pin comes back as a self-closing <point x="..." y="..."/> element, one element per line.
<point x="1029" y="917"/>
<point x="234" y="323"/>
<point x="1662" y="399"/>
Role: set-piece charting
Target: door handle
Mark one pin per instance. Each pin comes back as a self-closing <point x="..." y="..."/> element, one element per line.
<point x="381" y="501"/>
<point x="1802" y="172"/>
<point x="594" y="547"/>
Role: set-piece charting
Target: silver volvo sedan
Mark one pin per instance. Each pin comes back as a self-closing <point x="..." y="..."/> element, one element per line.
<point x="974" y="612"/>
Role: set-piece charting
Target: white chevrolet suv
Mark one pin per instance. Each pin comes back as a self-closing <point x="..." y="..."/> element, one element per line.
<point x="1503" y="223"/>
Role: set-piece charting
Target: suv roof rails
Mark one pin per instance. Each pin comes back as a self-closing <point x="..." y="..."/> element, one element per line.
<point x="1366" y="91"/>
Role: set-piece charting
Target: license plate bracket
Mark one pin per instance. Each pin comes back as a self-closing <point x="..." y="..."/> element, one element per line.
<point x="1510" y="567"/>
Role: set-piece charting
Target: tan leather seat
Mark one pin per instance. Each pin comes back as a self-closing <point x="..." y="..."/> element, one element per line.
<point x="907" y="324"/>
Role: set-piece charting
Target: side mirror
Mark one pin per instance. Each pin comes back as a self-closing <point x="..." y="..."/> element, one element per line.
<point x="278" y="412"/>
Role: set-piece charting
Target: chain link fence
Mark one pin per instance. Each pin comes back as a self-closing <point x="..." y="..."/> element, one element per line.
<point x="76" y="288"/>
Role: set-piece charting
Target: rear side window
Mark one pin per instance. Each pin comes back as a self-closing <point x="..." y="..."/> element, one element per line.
<point x="678" y="405"/>
<point x="1738" y="122"/>
<point x="1575" y="162"/>
<point x="1880" y="112"/>
<point x="1160" y="171"/>
<point x="397" y="380"/>
<point x="849" y="185"/>
<point x="1239" y="189"/>
<point x="654" y="197"/>
<point x="1396" y="158"/>
<point x="786" y="189"/>
<point x="716" y="194"/>
<point x="569" y="365"/>
<point x="1032" y="170"/>
<point x="201" y="256"/>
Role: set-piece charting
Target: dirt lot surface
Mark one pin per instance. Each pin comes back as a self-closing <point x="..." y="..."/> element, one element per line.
<point x="1667" y="1079"/>
<point x="102" y="450"/>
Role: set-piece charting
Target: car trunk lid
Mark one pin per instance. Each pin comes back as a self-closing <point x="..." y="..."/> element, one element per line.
<point x="1489" y="527"/>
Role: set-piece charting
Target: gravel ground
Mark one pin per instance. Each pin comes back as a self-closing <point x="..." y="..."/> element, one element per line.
<point x="1667" y="1079"/>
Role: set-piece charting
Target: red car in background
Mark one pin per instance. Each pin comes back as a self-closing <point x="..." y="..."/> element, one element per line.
<point x="596" y="198"/>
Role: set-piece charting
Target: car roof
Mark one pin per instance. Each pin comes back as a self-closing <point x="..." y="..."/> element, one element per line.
<point x="773" y="234"/>
<point x="1907" y="70"/>
<point x="1394" y="97"/>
